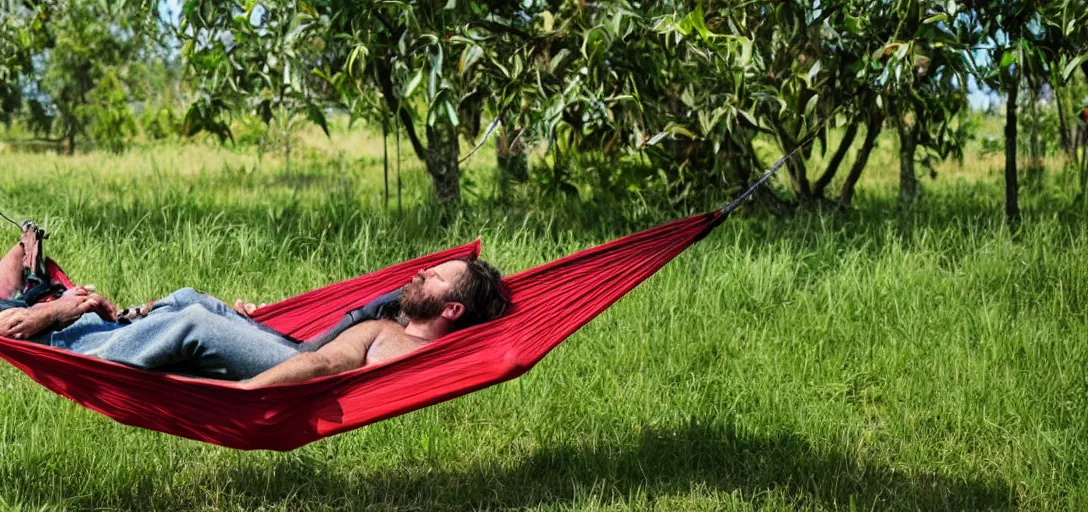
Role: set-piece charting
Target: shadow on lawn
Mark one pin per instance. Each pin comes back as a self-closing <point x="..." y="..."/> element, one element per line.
<point x="657" y="465"/>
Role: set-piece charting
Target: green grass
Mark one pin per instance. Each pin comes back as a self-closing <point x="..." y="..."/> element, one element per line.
<point x="878" y="359"/>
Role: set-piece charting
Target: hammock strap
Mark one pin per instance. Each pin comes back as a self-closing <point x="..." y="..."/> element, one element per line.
<point x="487" y="133"/>
<point x="728" y="208"/>
<point x="13" y="223"/>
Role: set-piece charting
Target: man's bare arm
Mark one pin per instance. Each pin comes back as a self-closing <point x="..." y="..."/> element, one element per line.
<point x="11" y="272"/>
<point x="22" y="323"/>
<point x="346" y="352"/>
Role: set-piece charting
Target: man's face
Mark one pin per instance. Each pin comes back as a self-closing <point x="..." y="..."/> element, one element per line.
<point x="425" y="296"/>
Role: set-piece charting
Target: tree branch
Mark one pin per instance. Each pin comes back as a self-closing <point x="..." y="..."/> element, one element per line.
<point x="503" y="29"/>
<point x="386" y="83"/>
<point x="836" y="160"/>
<point x="796" y="166"/>
<point x="872" y="130"/>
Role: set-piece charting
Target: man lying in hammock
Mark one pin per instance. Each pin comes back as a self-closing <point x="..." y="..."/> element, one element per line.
<point x="195" y="334"/>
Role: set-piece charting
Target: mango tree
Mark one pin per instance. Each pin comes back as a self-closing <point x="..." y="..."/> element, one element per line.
<point x="80" y="61"/>
<point x="413" y="61"/>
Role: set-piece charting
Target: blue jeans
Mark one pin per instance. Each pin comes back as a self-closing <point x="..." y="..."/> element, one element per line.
<point x="185" y="332"/>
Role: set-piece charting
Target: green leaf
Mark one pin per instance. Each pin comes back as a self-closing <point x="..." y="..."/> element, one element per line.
<point x="748" y="117"/>
<point x="435" y="76"/>
<point x="452" y="111"/>
<point x="676" y="129"/>
<point x="812" y="72"/>
<point x="942" y="17"/>
<point x="315" y="115"/>
<point x="358" y="54"/>
<point x="745" y="52"/>
<point x="1008" y="58"/>
<point x="698" y="22"/>
<point x="901" y="52"/>
<point x="1072" y="66"/>
<point x="811" y="104"/>
<point x="469" y="56"/>
<point x="557" y="60"/>
<point x="658" y="137"/>
<point x="413" y="83"/>
<point x="853" y="25"/>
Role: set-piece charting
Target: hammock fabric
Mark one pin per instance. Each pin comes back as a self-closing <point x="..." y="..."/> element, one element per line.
<point x="551" y="302"/>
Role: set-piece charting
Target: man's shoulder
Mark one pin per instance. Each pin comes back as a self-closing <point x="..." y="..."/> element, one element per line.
<point x="372" y="328"/>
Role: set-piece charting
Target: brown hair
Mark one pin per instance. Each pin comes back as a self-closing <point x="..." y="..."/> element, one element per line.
<point x="481" y="290"/>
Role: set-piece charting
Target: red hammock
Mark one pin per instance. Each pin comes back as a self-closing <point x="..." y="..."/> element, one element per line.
<point x="551" y="302"/>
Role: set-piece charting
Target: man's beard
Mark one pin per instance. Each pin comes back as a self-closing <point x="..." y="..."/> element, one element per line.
<point x="415" y="305"/>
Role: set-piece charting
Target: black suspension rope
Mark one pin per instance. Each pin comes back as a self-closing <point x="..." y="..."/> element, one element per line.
<point x="732" y="205"/>
<point x="16" y="224"/>
<point x="487" y="133"/>
<point x="729" y="206"/>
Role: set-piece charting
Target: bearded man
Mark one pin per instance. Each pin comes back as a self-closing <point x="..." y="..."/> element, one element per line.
<point x="191" y="333"/>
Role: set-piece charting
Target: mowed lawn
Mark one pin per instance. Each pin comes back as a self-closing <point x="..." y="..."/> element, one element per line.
<point x="878" y="359"/>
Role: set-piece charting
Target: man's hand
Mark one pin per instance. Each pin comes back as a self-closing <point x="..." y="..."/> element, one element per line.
<point x="22" y="323"/>
<point x="79" y="300"/>
<point x="246" y="309"/>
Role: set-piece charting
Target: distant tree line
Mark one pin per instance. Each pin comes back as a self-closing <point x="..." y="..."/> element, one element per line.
<point x="617" y="94"/>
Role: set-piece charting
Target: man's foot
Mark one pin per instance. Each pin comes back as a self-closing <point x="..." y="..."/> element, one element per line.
<point x="246" y="309"/>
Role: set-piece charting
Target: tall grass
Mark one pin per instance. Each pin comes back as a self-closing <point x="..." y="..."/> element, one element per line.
<point x="876" y="359"/>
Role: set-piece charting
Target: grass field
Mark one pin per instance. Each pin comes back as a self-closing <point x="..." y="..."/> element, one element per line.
<point x="877" y="359"/>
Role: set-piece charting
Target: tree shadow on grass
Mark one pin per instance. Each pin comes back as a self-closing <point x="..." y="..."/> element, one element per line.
<point x="656" y="465"/>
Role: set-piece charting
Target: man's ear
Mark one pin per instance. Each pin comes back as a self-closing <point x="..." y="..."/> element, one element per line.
<point x="453" y="311"/>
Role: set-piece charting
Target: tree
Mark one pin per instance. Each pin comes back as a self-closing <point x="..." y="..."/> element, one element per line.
<point x="415" y="60"/>
<point x="924" y="65"/>
<point x="1063" y="49"/>
<point x="645" y="94"/>
<point x="15" y="60"/>
<point x="70" y="65"/>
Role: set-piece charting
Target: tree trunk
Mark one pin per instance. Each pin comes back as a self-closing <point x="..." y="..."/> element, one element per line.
<point x="385" y="81"/>
<point x="442" y="154"/>
<point x="872" y="131"/>
<point x="385" y="158"/>
<point x="511" y="158"/>
<point x="1012" y="200"/>
<point x="1035" y="143"/>
<point x="836" y="160"/>
<point x="70" y="143"/>
<point x="1063" y="125"/>
<point x="796" y="166"/>
<point x="908" y="181"/>
<point x="1081" y="145"/>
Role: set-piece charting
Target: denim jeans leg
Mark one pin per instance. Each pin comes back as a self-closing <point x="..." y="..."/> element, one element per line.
<point x="193" y="340"/>
<point x="186" y="297"/>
